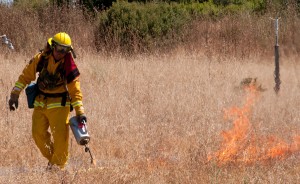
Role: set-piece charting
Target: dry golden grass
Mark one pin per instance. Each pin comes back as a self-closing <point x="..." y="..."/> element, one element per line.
<point x="155" y="119"/>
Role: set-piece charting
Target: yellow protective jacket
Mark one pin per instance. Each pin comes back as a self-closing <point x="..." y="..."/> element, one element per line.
<point x="73" y="86"/>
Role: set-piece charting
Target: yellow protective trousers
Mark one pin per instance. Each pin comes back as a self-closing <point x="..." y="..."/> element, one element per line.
<point x="55" y="149"/>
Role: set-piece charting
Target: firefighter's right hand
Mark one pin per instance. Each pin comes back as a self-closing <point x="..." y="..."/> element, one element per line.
<point x="81" y="118"/>
<point x="13" y="102"/>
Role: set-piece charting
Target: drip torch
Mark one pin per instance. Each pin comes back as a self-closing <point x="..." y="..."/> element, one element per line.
<point x="81" y="135"/>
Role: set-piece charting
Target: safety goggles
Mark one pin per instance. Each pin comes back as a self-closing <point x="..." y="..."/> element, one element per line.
<point x="62" y="49"/>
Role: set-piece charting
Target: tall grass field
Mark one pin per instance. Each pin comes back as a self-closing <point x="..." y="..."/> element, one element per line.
<point x="162" y="117"/>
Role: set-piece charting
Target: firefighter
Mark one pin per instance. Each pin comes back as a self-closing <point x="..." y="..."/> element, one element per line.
<point x="58" y="92"/>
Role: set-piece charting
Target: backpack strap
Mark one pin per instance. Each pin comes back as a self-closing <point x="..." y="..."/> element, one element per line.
<point x="44" y="54"/>
<point x="43" y="61"/>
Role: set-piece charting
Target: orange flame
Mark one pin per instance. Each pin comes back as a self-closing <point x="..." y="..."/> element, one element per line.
<point x="241" y="145"/>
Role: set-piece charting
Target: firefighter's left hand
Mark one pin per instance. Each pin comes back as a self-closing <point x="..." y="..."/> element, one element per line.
<point x="82" y="118"/>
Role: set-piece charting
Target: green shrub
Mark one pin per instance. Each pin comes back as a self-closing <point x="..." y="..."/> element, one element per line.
<point x="30" y="4"/>
<point x="135" y="26"/>
<point x="203" y="9"/>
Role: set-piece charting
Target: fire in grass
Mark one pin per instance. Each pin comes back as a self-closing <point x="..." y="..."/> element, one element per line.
<point x="242" y="145"/>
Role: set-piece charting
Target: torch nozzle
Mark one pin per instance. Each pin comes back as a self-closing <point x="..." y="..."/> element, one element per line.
<point x="87" y="149"/>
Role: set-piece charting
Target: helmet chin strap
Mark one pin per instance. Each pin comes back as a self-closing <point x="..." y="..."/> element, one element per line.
<point x="73" y="53"/>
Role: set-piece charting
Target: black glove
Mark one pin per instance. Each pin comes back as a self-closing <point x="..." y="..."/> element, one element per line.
<point x="81" y="118"/>
<point x="13" y="102"/>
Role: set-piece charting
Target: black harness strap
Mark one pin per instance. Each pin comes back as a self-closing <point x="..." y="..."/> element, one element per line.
<point x="41" y="64"/>
<point x="64" y="96"/>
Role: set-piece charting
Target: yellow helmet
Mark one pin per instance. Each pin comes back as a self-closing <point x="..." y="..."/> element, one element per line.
<point x="62" y="39"/>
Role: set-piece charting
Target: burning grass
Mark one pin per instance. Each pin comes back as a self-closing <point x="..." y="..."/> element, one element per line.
<point x="241" y="145"/>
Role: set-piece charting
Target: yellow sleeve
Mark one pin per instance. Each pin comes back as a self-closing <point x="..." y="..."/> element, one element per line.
<point x="28" y="74"/>
<point x="76" y="95"/>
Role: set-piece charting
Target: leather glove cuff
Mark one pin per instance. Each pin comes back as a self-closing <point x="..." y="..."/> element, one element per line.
<point x="16" y="91"/>
<point x="14" y="96"/>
